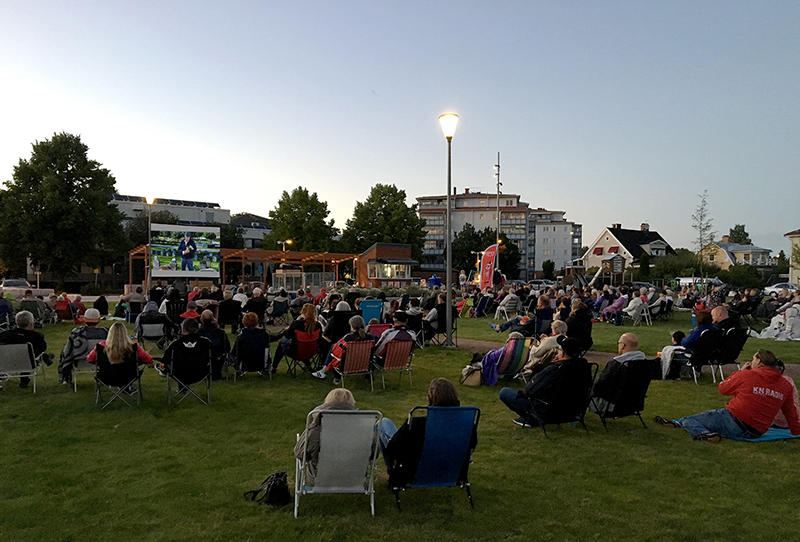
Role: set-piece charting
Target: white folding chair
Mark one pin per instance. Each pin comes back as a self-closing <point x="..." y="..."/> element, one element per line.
<point x="348" y="450"/>
<point x="82" y="366"/>
<point x="18" y="361"/>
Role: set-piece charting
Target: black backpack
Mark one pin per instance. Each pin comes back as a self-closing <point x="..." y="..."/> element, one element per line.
<point x="273" y="491"/>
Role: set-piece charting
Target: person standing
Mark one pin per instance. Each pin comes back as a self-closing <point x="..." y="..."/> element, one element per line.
<point x="187" y="250"/>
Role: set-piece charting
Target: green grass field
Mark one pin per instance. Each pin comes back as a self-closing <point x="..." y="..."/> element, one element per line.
<point x="70" y="472"/>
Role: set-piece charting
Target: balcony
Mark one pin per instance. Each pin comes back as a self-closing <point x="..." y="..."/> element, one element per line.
<point x="434" y="237"/>
<point x="432" y="251"/>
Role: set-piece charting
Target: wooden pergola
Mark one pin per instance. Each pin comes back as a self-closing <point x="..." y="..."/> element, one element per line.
<point x="258" y="255"/>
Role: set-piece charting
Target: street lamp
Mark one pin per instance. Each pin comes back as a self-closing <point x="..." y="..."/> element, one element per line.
<point x="448" y="121"/>
<point x="149" y="269"/>
<point x="284" y="243"/>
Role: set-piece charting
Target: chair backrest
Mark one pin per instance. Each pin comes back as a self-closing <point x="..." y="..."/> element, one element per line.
<point x="481" y="305"/>
<point x="83" y="366"/>
<point x="32" y="307"/>
<point x="175" y="309"/>
<point x="706" y="348"/>
<point x="371" y="308"/>
<point x="16" y="359"/>
<point x="189" y="361"/>
<point x="514" y="356"/>
<point x="229" y="312"/>
<point x="347" y="444"/>
<point x="357" y="357"/>
<point x="732" y="345"/>
<point x="279" y="308"/>
<point x="153" y="331"/>
<point x="569" y="396"/>
<point x="306" y="344"/>
<point x="397" y="355"/>
<point x="116" y="374"/>
<point x="404" y="301"/>
<point x="250" y="349"/>
<point x="415" y="323"/>
<point x="543" y="326"/>
<point x="378" y="329"/>
<point x="341" y="324"/>
<point x="134" y="307"/>
<point x="628" y="390"/>
<point x="447" y="447"/>
<point x="513" y="305"/>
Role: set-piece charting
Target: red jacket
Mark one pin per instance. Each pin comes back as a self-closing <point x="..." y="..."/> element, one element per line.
<point x="758" y="395"/>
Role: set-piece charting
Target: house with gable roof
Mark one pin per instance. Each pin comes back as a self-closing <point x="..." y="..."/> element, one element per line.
<point x="630" y="244"/>
<point x="724" y="254"/>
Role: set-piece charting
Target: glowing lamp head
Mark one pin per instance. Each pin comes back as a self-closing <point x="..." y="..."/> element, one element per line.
<point x="448" y="122"/>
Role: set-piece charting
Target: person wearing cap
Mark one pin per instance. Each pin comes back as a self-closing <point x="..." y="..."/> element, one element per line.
<point x="77" y="346"/>
<point x="187" y="250"/>
<point x="560" y="387"/>
<point x="398" y="332"/>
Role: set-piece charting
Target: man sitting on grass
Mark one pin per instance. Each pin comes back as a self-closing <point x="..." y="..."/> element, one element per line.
<point x="759" y="392"/>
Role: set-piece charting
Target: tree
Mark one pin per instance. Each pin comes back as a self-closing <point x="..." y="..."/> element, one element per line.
<point x="684" y="263"/>
<point x="300" y="216"/>
<point x="57" y="211"/>
<point x="742" y="276"/>
<point x="739" y="235"/>
<point x="384" y="217"/>
<point x="644" y="266"/>
<point x="470" y="240"/>
<point x="136" y="229"/>
<point x="548" y="269"/>
<point x="230" y="236"/>
<point x="703" y="225"/>
<point x="782" y="263"/>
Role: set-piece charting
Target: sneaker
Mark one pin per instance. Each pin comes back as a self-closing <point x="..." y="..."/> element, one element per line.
<point x="666" y="422"/>
<point x="337" y="381"/>
<point x="320" y="374"/>
<point x="159" y="370"/>
<point x="494" y="327"/>
<point x="708" y="436"/>
<point x="525" y="423"/>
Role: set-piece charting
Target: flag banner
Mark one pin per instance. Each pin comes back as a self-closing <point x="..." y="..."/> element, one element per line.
<point x="487" y="266"/>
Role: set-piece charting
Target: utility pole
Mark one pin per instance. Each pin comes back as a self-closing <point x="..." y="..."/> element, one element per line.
<point x="499" y="184"/>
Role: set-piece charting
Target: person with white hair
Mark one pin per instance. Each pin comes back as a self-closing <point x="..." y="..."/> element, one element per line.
<point x="783" y="327"/>
<point x="24" y="333"/>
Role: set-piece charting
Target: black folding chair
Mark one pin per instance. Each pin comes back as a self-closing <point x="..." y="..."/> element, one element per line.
<point x="705" y="352"/>
<point x="123" y="380"/>
<point x="564" y="403"/>
<point x="624" y="393"/>
<point x="190" y="371"/>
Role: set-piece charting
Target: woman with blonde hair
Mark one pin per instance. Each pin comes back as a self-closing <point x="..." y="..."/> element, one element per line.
<point x="337" y="399"/>
<point x="118" y="348"/>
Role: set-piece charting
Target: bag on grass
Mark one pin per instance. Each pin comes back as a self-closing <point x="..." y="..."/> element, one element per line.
<point x="273" y="491"/>
<point x="471" y="375"/>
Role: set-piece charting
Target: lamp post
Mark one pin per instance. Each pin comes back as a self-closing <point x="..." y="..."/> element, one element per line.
<point x="284" y="243"/>
<point x="148" y="267"/>
<point x="448" y="122"/>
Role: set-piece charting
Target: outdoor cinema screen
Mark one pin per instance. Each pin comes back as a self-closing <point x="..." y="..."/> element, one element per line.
<point x="184" y="251"/>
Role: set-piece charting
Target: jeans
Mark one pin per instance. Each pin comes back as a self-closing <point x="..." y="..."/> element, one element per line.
<point x="284" y="348"/>
<point x="716" y="421"/>
<point x="505" y="325"/>
<point x="514" y="400"/>
<point x="387" y="431"/>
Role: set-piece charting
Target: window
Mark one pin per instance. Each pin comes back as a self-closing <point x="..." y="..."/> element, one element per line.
<point x="747" y="257"/>
<point x="483" y="203"/>
<point x="711" y="257"/>
<point x="546" y="252"/>
<point x="372" y="271"/>
<point x="545" y="240"/>
<point x="481" y="216"/>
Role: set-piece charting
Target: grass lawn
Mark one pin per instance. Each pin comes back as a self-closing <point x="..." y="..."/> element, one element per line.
<point x="72" y="473"/>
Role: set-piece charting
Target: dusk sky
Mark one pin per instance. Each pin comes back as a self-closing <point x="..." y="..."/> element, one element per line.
<point x="610" y="111"/>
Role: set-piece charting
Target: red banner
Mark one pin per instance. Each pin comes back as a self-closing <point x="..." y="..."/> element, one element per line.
<point x="487" y="266"/>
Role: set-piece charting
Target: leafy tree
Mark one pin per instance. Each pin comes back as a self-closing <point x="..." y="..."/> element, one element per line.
<point x="548" y="269"/>
<point x="136" y="229"/>
<point x="56" y="210"/>
<point x="644" y="266"/>
<point x="739" y="235"/>
<point x="300" y="216"/>
<point x="684" y="263"/>
<point x="703" y="225"/>
<point x="230" y="236"/>
<point x="742" y="276"/>
<point x="782" y="265"/>
<point x="384" y="217"/>
<point x="469" y="239"/>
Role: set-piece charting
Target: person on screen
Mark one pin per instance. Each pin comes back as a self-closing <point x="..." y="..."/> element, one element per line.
<point x="186" y="249"/>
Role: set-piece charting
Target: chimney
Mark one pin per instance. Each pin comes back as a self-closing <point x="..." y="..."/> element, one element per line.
<point x="617" y="225"/>
<point x="466" y="190"/>
<point x="645" y="226"/>
<point x="726" y="238"/>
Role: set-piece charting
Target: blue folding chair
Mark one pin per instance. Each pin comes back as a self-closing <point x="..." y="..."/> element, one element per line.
<point x="447" y="449"/>
<point x="371" y="308"/>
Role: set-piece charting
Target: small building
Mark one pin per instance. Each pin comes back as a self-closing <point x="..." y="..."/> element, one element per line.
<point x="630" y="244"/>
<point x="385" y="265"/>
<point x="794" y="268"/>
<point x="724" y="254"/>
<point x="253" y="227"/>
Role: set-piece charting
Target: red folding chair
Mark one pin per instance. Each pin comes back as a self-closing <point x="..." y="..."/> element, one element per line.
<point x="357" y="360"/>
<point x="305" y="352"/>
<point x="397" y="358"/>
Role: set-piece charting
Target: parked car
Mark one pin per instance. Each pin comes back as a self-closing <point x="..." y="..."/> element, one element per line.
<point x="776" y="288"/>
<point x="539" y="284"/>
<point x="688" y="281"/>
<point x="14" y="283"/>
<point x="647" y="285"/>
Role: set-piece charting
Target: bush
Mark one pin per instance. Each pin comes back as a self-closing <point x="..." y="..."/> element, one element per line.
<point x="91" y="289"/>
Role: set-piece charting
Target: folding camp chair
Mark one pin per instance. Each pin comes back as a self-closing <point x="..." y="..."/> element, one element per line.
<point x="348" y="449"/>
<point x="126" y="377"/>
<point x="378" y="329"/>
<point x="132" y="311"/>
<point x="415" y="324"/>
<point x="280" y="313"/>
<point x="155" y="333"/>
<point x="82" y="366"/>
<point x="397" y="358"/>
<point x="189" y="374"/>
<point x="704" y="352"/>
<point x="481" y="308"/>
<point x="439" y="334"/>
<point x="512" y="307"/>
<point x="466" y="308"/>
<point x="514" y="357"/>
<point x="64" y="311"/>
<point x="19" y="361"/>
<point x="304" y="354"/>
<point x="32" y="306"/>
<point x="446" y="451"/>
<point x="230" y="312"/>
<point x="404" y="302"/>
<point x="256" y="357"/>
<point x="357" y="360"/>
<point x="624" y="393"/>
<point x="729" y="349"/>
<point x="371" y="308"/>
<point x="565" y="404"/>
<point x="174" y="310"/>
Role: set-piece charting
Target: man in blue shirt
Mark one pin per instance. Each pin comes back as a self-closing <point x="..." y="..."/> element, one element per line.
<point x="186" y="249"/>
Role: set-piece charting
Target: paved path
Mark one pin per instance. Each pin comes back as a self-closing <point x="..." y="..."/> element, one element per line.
<point x="792" y="369"/>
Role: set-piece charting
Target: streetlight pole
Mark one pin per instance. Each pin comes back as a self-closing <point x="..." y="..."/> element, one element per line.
<point x="149" y="267"/>
<point x="284" y="243"/>
<point x="448" y="122"/>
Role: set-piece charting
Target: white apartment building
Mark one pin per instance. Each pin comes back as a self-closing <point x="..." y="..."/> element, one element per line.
<point x="188" y="212"/>
<point x="520" y="224"/>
